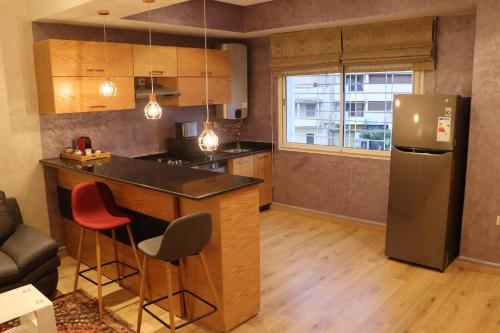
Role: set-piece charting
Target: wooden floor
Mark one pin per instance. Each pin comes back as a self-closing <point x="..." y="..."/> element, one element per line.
<point x="319" y="276"/>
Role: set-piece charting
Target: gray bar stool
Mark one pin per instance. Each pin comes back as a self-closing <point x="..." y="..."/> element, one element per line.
<point x="184" y="237"/>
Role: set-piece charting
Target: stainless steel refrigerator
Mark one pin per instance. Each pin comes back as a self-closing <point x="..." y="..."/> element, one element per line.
<point x="427" y="178"/>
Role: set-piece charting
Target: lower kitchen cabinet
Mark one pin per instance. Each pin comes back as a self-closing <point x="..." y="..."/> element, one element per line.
<point x="263" y="169"/>
<point x="258" y="166"/>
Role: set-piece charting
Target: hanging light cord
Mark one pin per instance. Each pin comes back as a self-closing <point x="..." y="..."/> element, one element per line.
<point x="206" y="57"/>
<point x="105" y="48"/>
<point x="150" y="55"/>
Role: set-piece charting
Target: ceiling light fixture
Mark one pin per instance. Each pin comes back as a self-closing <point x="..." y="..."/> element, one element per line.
<point x="107" y="88"/>
<point x="152" y="110"/>
<point x="207" y="141"/>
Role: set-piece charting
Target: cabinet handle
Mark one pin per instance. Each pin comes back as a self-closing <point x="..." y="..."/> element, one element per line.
<point x="206" y="73"/>
<point x="207" y="101"/>
<point x="243" y="161"/>
<point x="97" y="106"/>
<point x="156" y="72"/>
<point x="95" y="70"/>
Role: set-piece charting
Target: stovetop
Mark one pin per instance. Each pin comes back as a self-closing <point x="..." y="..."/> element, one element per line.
<point x="180" y="160"/>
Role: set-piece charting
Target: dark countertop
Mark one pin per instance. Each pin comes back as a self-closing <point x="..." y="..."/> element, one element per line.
<point x="217" y="156"/>
<point x="183" y="182"/>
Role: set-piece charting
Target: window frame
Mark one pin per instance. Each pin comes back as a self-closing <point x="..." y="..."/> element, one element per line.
<point x="418" y="80"/>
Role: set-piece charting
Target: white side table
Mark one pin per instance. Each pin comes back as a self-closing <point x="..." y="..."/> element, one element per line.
<point x="34" y="310"/>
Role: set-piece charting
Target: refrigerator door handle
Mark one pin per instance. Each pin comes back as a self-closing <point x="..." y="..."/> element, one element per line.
<point x="413" y="150"/>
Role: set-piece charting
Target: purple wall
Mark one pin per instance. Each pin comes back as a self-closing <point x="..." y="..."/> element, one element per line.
<point x="355" y="187"/>
<point x="480" y="234"/>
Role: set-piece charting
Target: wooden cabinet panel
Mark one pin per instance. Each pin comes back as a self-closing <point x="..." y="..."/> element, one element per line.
<point x="81" y="94"/>
<point x="164" y="60"/>
<point x="83" y="58"/>
<point x="263" y="169"/>
<point x="192" y="91"/>
<point x="191" y="62"/>
<point x="242" y="166"/>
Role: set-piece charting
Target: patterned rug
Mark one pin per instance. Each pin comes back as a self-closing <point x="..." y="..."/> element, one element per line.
<point x="80" y="316"/>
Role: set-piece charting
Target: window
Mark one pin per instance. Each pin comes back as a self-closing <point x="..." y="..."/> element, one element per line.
<point x="313" y="118"/>
<point x="354" y="82"/>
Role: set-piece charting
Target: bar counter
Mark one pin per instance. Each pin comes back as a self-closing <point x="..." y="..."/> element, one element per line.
<point x="156" y="193"/>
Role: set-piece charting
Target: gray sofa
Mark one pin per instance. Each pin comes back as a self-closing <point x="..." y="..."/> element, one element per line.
<point x="26" y="255"/>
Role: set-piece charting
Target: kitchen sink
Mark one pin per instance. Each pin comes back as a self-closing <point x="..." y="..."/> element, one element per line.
<point x="236" y="150"/>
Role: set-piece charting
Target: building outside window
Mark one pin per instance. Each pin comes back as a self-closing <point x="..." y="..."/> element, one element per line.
<point x="315" y="116"/>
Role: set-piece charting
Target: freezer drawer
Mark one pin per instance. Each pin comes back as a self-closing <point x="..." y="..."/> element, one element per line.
<point x="419" y="194"/>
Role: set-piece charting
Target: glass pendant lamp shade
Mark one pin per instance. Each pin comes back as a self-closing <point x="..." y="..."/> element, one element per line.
<point x="208" y="141"/>
<point x="107" y="88"/>
<point x="153" y="109"/>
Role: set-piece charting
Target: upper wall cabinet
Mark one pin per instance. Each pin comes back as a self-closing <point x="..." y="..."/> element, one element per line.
<point x="81" y="58"/>
<point x="164" y="60"/>
<point x="69" y="74"/>
<point x="192" y="62"/>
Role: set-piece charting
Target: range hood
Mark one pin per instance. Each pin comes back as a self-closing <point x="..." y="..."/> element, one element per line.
<point x="143" y="92"/>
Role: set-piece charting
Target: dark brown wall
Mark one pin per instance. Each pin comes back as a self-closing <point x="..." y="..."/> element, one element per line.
<point x="480" y="234"/>
<point x="355" y="187"/>
<point x="125" y="132"/>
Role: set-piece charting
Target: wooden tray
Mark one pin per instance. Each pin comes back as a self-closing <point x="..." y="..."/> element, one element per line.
<point x="84" y="158"/>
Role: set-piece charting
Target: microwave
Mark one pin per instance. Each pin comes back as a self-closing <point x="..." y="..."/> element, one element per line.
<point x="186" y="129"/>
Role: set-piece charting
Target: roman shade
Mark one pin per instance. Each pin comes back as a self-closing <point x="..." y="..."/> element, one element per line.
<point x="306" y="51"/>
<point x="396" y="45"/>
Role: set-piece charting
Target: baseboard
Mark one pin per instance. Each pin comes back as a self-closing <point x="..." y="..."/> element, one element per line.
<point x="330" y="217"/>
<point x="478" y="265"/>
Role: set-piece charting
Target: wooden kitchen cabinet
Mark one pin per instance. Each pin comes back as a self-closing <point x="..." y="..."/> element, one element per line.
<point x="81" y="94"/>
<point x="83" y="58"/>
<point x="241" y="166"/>
<point x="191" y="62"/>
<point x="192" y="90"/>
<point x="263" y="169"/>
<point x="164" y="60"/>
<point x="257" y="166"/>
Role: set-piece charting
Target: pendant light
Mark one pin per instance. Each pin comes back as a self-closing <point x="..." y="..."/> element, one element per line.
<point x="153" y="109"/>
<point x="108" y="87"/>
<point x="207" y="141"/>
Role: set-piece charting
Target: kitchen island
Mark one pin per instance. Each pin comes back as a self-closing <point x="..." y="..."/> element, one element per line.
<point x="154" y="194"/>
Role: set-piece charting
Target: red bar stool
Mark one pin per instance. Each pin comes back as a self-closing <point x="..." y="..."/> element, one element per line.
<point x="94" y="208"/>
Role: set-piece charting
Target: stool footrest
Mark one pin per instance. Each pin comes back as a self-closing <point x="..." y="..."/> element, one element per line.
<point x="190" y="321"/>
<point x="135" y="272"/>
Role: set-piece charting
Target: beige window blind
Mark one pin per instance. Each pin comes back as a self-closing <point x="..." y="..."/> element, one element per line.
<point x="306" y="51"/>
<point x="401" y="45"/>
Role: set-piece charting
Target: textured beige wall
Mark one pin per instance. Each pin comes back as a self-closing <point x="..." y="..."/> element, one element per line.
<point x="20" y="147"/>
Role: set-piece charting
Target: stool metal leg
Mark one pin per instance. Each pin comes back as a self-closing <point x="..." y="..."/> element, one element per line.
<point x="170" y="300"/>
<point x="99" y="276"/>
<point x="78" y="260"/>
<point x="141" y="293"/>
<point x="113" y="235"/>
<point x="212" y="289"/>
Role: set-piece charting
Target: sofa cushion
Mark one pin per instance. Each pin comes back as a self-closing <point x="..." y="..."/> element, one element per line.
<point x="8" y="220"/>
<point x="9" y="272"/>
<point x="29" y="248"/>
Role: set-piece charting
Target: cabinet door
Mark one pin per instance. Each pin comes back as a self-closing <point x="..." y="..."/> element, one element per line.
<point x="263" y="169"/>
<point x="242" y="166"/>
<point x="81" y="94"/>
<point x="191" y="62"/>
<point x="164" y="60"/>
<point x="192" y="90"/>
<point x="81" y="58"/>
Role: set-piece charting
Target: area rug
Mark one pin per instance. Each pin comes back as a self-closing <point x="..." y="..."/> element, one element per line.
<point x="80" y="316"/>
